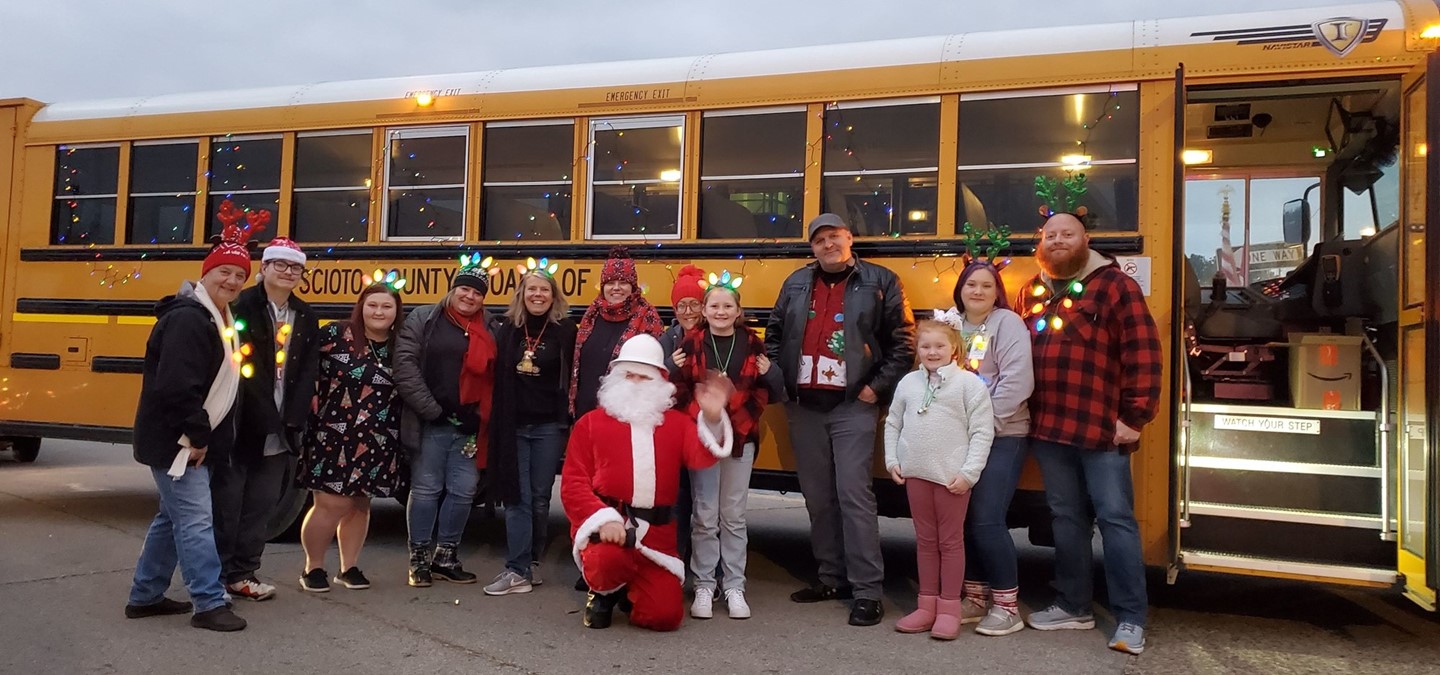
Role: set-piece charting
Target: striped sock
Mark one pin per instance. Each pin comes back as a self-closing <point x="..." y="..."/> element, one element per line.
<point x="977" y="592"/>
<point x="1008" y="600"/>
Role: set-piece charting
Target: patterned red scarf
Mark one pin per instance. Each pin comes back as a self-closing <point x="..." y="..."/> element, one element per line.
<point x="641" y="316"/>
<point x="748" y="402"/>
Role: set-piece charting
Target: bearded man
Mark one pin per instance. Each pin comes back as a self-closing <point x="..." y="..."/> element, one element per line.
<point x="1097" y="384"/>
<point x="620" y="481"/>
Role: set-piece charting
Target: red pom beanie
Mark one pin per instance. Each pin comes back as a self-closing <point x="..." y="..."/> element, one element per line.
<point x="687" y="285"/>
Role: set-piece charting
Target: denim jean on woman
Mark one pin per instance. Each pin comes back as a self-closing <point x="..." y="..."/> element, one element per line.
<point x="989" y="549"/>
<point x="182" y="533"/>
<point x="1075" y="480"/>
<point x="441" y="466"/>
<point x="527" y="524"/>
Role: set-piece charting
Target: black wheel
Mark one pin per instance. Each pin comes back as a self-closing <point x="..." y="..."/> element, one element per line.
<point x="26" y="448"/>
<point x="289" y="513"/>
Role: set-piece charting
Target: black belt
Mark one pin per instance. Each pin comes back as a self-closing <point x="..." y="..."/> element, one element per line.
<point x="659" y="515"/>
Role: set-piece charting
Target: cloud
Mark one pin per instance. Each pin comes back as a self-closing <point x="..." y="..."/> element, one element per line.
<point x="89" y="49"/>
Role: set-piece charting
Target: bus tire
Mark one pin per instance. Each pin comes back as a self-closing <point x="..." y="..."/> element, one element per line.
<point x="26" y="448"/>
<point x="289" y="513"/>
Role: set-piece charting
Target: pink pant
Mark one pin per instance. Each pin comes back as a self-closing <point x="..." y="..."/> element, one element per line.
<point x="939" y="519"/>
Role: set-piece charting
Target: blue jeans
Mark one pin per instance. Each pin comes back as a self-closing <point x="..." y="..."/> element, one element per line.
<point x="441" y="466"/>
<point x="183" y="533"/>
<point x="1075" y="480"/>
<point x="990" y="552"/>
<point x="527" y="524"/>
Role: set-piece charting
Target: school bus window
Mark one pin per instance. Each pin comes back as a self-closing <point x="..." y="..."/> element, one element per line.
<point x="331" y="201"/>
<point x="881" y="165"/>
<point x="752" y="168"/>
<point x="1006" y="141"/>
<point x="162" y="192"/>
<point x="526" y="189"/>
<point x="86" y="179"/>
<point x="425" y="183"/>
<point x="246" y="171"/>
<point x="635" y="177"/>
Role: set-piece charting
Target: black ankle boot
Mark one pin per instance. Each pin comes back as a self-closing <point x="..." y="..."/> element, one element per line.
<point x="420" y="565"/>
<point x="447" y="566"/>
<point x="600" y="608"/>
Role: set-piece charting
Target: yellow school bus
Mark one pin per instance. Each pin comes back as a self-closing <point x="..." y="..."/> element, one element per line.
<point x="1264" y="176"/>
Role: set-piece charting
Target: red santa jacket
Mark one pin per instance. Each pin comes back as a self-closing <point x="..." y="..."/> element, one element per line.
<point x="609" y="459"/>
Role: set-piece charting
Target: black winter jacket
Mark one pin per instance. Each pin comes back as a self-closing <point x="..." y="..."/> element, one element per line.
<point x="302" y="365"/>
<point x="503" y="460"/>
<point x="879" y="329"/>
<point x="182" y="356"/>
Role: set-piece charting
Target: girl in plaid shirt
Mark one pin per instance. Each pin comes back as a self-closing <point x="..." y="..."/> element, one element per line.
<point x="937" y="438"/>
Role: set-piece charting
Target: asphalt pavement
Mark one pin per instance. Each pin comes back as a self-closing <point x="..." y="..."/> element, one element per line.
<point x="71" y="525"/>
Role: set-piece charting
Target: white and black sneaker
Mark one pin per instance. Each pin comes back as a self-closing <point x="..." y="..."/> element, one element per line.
<point x="315" y="581"/>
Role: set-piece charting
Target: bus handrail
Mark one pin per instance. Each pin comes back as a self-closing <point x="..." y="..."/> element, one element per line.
<point x="1382" y="431"/>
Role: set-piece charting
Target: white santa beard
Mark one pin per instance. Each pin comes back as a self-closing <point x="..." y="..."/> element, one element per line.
<point x="641" y="404"/>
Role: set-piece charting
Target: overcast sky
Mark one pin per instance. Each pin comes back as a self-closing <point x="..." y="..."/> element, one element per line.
<point x="66" y="50"/>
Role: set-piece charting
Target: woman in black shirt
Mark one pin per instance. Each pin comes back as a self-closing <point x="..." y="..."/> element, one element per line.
<point x="535" y="340"/>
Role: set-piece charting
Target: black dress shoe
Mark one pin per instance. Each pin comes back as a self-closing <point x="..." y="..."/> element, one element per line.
<point x="581" y="586"/>
<point x="865" y="612"/>
<point x="165" y="607"/>
<point x="219" y="619"/>
<point x="820" y="593"/>
<point x="600" y="609"/>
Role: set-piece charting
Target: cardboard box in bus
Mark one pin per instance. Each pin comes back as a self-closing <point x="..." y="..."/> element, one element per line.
<point x="1325" y="371"/>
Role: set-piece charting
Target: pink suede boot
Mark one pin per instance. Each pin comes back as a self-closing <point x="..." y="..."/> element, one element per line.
<point x="922" y="618"/>
<point x="947" y="620"/>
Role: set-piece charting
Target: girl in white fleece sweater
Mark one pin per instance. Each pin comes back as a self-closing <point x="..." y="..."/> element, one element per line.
<point x="937" y="437"/>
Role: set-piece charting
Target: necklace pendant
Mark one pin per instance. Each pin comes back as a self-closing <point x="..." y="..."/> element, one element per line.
<point x="527" y="364"/>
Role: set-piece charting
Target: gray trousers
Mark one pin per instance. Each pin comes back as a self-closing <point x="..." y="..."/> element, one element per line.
<point x="834" y="453"/>
<point x="245" y="497"/>
<point x="718" y="535"/>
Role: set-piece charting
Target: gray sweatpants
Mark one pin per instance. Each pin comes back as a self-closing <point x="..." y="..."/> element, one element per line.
<point x="834" y="453"/>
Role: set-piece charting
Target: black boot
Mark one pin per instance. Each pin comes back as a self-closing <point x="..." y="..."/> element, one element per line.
<point x="420" y="565"/>
<point x="600" y="608"/>
<point x="447" y="566"/>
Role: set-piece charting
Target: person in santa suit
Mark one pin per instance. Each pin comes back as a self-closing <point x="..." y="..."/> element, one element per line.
<point x="620" y="480"/>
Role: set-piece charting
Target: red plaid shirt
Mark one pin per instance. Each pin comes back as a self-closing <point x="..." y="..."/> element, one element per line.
<point x="1103" y="364"/>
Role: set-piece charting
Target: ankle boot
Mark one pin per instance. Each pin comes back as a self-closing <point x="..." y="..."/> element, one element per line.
<point x="420" y="565"/>
<point x="947" y="620"/>
<point x="600" y="608"/>
<point x="447" y="566"/>
<point x="921" y="619"/>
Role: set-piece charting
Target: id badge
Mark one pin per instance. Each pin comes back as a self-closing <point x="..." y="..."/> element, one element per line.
<point x="978" y="347"/>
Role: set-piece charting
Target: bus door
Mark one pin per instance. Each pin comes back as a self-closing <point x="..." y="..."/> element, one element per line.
<point x="1413" y="479"/>
<point x="1290" y="215"/>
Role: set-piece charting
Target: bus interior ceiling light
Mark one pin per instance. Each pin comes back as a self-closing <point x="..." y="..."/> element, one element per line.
<point x="670" y="175"/>
<point x="1197" y="156"/>
<point x="1074" y="161"/>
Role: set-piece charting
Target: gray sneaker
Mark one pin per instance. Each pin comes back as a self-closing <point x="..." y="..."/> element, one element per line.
<point x="999" y="622"/>
<point x="1129" y="638"/>
<point x="1056" y="618"/>
<point x="508" y="582"/>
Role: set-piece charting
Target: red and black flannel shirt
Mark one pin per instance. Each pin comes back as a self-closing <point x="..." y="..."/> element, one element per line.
<point x="1103" y="364"/>
<point x="746" y="404"/>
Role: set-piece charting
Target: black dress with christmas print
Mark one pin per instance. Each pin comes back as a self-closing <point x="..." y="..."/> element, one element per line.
<point x="352" y="447"/>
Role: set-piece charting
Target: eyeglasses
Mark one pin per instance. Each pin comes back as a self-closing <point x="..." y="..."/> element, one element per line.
<point x="688" y="306"/>
<point x="288" y="267"/>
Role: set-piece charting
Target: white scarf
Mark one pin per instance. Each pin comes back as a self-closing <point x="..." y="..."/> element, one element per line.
<point x="226" y="385"/>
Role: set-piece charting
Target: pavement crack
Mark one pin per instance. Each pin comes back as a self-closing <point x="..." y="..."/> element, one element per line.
<point x="60" y="577"/>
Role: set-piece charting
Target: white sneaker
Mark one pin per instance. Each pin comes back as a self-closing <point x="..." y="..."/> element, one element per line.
<point x="251" y="589"/>
<point x="701" y="607"/>
<point x="736" y="605"/>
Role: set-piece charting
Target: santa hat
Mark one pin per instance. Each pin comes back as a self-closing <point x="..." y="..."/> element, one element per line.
<point x="232" y="246"/>
<point x="284" y="249"/>
<point x="688" y="284"/>
<point x="619" y="267"/>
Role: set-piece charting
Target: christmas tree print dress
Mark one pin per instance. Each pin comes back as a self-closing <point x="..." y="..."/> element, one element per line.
<point x="352" y="446"/>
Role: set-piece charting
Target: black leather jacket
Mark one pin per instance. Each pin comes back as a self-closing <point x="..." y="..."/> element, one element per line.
<point x="879" y="329"/>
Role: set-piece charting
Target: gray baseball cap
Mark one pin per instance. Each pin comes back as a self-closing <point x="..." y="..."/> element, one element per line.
<point x="824" y="220"/>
